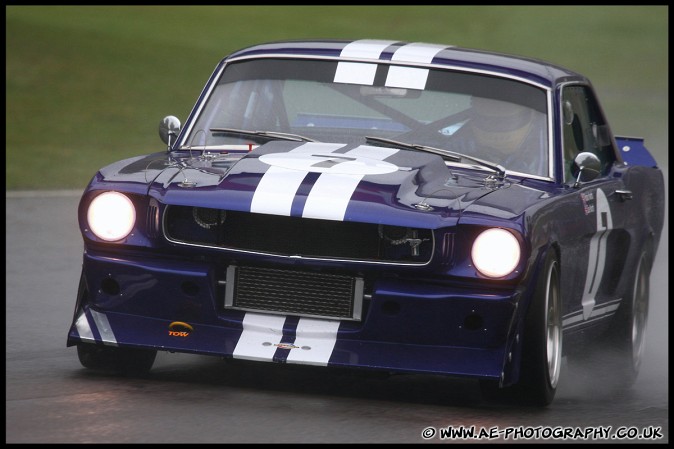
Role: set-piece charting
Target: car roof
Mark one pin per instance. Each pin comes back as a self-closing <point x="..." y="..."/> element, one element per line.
<point x="533" y="70"/>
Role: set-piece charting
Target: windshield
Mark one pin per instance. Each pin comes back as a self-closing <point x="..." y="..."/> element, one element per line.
<point x="497" y="120"/>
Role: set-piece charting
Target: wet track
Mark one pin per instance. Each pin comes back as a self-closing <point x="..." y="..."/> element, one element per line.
<point x="50" y="398"/>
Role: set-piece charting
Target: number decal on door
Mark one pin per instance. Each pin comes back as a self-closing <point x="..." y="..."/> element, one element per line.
<point x="597" y="256"/>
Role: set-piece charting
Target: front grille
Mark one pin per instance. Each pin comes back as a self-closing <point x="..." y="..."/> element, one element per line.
<point x="297" y="236"/>
<point x="293" y="292"/>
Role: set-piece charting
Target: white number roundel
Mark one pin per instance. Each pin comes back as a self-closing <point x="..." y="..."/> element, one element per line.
<point x="332" y="163"/>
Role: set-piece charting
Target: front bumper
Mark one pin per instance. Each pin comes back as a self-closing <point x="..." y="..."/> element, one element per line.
<point x="407" y="326"/>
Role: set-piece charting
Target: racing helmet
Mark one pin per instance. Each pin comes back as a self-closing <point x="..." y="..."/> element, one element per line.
<point x="500" y="125"/>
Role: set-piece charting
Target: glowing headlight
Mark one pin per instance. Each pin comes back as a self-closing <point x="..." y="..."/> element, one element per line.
<point x="111" y="216"/>
<point x="496" y="253"/>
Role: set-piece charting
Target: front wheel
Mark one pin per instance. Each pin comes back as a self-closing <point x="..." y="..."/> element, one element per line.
<point x="542" y="345"/>
<point x="131" y="362"/>
<point x="542" y="351"/>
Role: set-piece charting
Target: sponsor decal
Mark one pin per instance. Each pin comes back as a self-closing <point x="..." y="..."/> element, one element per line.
<point x="178" y="334"/>
<point x="179" y="329"/>
<point x="286" y="346"/>
<point x="588" y="202"/>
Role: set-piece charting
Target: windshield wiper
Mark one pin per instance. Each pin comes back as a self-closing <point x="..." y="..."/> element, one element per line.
<point x="451" y="155"/>
<point x="412" y="146"/>
<point x="271" y="135"/>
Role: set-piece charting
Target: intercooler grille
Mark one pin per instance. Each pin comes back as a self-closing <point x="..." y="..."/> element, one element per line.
<point x="292" y="292"/>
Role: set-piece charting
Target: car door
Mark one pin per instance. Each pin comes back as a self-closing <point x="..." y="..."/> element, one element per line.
<point x="594" y="264"/>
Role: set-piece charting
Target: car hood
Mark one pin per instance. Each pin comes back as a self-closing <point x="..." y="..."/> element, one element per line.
<point x="362" y="183"/>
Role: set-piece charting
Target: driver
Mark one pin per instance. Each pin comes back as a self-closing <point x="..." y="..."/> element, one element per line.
<point x="507" y="134"/>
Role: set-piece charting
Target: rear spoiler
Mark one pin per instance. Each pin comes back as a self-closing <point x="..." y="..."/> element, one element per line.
<point x="634" y="152"/>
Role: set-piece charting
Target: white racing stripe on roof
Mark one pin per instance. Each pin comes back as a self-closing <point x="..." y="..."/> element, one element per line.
<point x="355" y="73"/>
<point x="412" y="77"/>
<point x="417" y="52"/>
<point x="360" y="72"/>
<point x="365" y="48"/>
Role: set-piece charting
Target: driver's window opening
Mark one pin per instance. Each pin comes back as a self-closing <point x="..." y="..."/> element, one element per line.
<point x="584" y="130"/>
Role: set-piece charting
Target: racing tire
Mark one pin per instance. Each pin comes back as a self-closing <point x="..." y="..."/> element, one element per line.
<point x="542" y="344"/>
<point x="627" y="336"/>
<point x="129" y="362"/>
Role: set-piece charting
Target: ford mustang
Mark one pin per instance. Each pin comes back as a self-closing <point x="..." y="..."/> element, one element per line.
<point x="376" y="205"/>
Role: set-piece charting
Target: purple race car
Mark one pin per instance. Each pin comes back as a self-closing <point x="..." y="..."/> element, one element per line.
<point x="379" y="205"/>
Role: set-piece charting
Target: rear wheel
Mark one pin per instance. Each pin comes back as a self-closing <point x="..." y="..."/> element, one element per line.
<point x="130" y="362"/>
<point x="627" y="337"/>
<point x="542" y="345"/>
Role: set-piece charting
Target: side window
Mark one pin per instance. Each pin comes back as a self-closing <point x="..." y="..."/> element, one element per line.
<point x="584" y="129"/>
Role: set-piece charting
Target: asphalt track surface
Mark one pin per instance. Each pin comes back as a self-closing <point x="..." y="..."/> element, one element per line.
<point x="50" y="398"/>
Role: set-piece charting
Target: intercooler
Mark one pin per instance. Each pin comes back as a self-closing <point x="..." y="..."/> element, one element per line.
<point x="294" y="292"/>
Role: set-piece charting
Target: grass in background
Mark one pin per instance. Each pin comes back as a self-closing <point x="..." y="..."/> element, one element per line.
<point x="88" y="85"/>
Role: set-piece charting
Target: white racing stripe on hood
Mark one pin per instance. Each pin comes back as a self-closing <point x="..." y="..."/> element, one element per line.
<point x="278" y="186"/>
<point x="276" y="191"/>
<point x="412" y="77"/>
<point x="360" y="72"/>
<point x="331" y="194"/>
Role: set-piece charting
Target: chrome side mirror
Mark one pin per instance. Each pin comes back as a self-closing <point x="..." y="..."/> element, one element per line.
<point x="169" y="128"/>
<point x="586" y="167"/>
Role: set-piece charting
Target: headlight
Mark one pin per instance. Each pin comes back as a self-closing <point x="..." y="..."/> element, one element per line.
<point x="111" y="216"/>
<point x="496" y="253"/>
